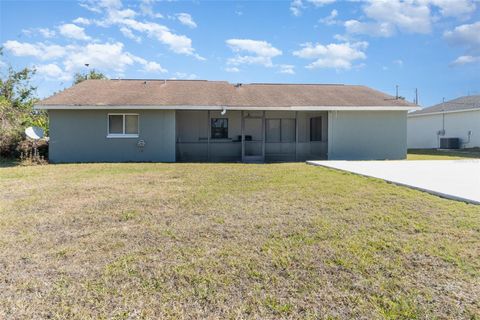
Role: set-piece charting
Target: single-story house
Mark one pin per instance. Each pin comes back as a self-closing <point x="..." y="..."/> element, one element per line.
<point x="199" y="120"/>
<point x="457" y="118"/>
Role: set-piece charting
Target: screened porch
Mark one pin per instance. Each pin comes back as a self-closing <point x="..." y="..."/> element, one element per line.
<point x="251" y="136"/>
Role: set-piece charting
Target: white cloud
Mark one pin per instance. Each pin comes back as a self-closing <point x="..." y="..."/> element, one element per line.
<point x="296" y="6"/>
<point x="465" y="60"/>
<point x="151" y="66"/>
<point x="47" y="33"/>
<point x="44" y="32"/>
<point x="52" y="71"/>
<point x="154" y="67"/>
<point x="330" y="19"/>
<point x="319" y="3"/>
<point x="455" y="8"/>
<point x="148" y="66"/>
<point x="73" y="31"/>
<point x="468" y="37"/>
<point x="287" y="68"/>
<point x="116" y="15"/>
<point x="90" y="6"/>
<point x="386" y="17"/>
<point x="232" y="69"/>
<point x="261" y="48"/>
<point x="97" y="5"/>
<point x="101" y="56"/>
<point x="335" y="55"/>
<point x="107" y="56"/>
<point x="38" y="50"/>
<point x="341" y="38"/>
<point x="186" y="19"/>
<point x="186" y="76"/>
<point x="129" y="34"/>
<point x="259" y="52"/>
<point x="406" y="16"/>
<point x="146" y="7"/>
<point x="177" y="43"/>
<point x="81" y="20"/>
<point x="380" y="29"/>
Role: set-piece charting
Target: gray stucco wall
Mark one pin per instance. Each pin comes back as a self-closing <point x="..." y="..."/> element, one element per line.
<point x="367" y="135"/>
<point x="81" y="136"/>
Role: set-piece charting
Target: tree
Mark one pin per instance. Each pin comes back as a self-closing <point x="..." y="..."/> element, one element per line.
<point x="17" y="97"/>
<point x="79" y="77"/>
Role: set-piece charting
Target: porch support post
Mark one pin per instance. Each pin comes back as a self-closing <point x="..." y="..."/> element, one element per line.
<point x="296" y="135"/>
<point x="263" y="135"/>
<point x="208" y="135"/>
<point x="242" y="126"/>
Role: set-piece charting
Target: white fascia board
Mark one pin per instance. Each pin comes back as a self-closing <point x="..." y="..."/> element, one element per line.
<point x="353" y="108"/>
<point x="441" y="112"/>
<point x="124" y="107"/>
<point x="189" y="107"/>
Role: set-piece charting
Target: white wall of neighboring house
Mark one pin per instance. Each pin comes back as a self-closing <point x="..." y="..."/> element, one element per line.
<point x="422" y="129"/>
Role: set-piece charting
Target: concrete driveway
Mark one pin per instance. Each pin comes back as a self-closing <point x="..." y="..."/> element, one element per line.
<point x="453" y="179"/>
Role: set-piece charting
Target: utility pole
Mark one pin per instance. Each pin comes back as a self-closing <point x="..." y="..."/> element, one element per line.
<point x="396" y="92"/>
<point x="416" y="96"/>
<point x="443" y="115"/>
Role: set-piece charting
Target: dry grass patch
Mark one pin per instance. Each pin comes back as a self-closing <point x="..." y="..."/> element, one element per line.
<point x="234" y="241"/>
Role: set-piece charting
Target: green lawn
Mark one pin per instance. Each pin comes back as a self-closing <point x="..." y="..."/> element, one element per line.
<point x="434" y="154"/>
<point x="230" y="241"/>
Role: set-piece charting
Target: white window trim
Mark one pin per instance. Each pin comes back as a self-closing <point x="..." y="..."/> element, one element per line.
<point x="123" y="135"/>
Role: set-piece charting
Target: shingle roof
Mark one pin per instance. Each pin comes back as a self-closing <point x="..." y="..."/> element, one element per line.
<point x="217" y="93"/>
<point x="458" y="104"/>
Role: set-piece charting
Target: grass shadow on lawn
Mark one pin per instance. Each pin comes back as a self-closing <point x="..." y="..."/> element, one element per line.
<point x="8" y="162"/>
<point x="436" y="154"/>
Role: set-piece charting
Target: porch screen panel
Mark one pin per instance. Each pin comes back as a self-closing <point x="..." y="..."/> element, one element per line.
<point x="280" y="130"/>
<point x="316" y="129"/>
<point x="288" y="130"/>
<point x="273" y="130"/>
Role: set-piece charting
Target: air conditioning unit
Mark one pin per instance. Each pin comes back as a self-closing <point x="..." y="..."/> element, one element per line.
<point x="449" y="143"/>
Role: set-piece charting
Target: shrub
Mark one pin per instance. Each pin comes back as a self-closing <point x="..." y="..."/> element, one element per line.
<point x="9" y="139"/>
<point x="33" y="153"/>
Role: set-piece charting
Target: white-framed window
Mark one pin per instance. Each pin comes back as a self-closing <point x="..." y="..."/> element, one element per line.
<point x="122" y="125"/>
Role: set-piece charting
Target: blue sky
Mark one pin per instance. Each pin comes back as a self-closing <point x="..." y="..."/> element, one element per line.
<point x="432" y="45"/>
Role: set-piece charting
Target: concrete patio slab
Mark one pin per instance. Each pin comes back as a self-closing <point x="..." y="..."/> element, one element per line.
<point x="453" y="179"/>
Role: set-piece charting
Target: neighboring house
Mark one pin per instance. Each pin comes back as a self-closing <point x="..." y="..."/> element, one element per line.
<point x="457" y="118"/>
<point x="198" y="120"/>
